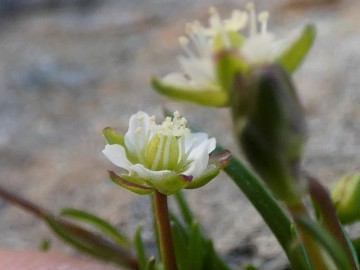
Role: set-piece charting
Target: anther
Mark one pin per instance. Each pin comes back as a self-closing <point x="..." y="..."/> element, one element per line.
<point x="263" y="19"/>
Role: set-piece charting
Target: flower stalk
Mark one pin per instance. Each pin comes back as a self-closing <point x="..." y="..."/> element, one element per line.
<point x="164" y="231"/>
<point x="313" y="250"/>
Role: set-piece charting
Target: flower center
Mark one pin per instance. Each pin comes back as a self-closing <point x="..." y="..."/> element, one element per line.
<point x="164" y="147"/>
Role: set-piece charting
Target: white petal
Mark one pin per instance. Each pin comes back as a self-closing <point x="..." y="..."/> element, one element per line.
<point x="200" y="159"/>
<point x="200" y="70"/>
<point x="258" y="49"/>
<point x="194" y="138"/>
<point x="139" y="124"/>
<point x="211" y="145"/>
<point x="145" y="173"/>
<point x="116" y="154"/>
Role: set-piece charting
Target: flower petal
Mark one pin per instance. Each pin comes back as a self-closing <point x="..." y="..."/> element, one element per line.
<point x="139" y="124"/>
<point x="199" y="158"/>
<point x="116" y="154"/>
<point x="148" y="174"/>
<point x="197" y="138"/>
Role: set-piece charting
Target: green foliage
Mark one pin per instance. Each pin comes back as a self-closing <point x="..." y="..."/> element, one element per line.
<point x="99" y="223"/>
<point x="327" y="241"/>
<point x="194" y="251"/>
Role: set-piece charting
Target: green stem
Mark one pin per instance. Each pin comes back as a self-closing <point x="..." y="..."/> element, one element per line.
<point x="164" y="230"/>
<point x="313" y="250"/>
<point x="270" y="210"/>
<point x="322" y="201"/>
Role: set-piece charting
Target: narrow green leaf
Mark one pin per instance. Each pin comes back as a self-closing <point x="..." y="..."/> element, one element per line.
<point x="184" y="208"/>
<point x="295" y="54"/>
<point x="150" y="265"/>
<point x="202" y="97"/>
<point x="325" y="239"/>
<point x="212" y="260"/>
<point x="112" y="136"/>
<point x="352" y="249"/>
<point x="195" y="248"/>
<point x="180" y="239"/>
<point x="270" y="210"/>
<point x="140" y="249"/>
<point x="91" y="244"/>
<point x="99" y="223"/>
<point x="64" y="234"/>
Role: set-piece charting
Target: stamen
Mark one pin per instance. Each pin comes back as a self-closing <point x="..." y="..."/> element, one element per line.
<point x="140" y="117"/>
<point x="158" y="154"/>
<point x="252" y="25"/>
<point x="217" y="26"/>
<point x="138" y="149"/>
<point x="138" y="130"/>
<point x="263" y="19"/>
<point x="184" y="42"/>
<point x="167" y="151"/>
<point x="237" y="21"/>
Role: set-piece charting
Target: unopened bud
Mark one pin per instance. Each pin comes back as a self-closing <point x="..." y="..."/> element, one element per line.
<point x="273" y="128"/>
<point x="346" y="197"/>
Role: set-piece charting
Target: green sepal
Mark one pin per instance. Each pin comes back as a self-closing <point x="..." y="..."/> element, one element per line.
<point x="170" y="184"/>
<point x="292" y="57"/>
<point x="204" y="97"/>
<point x="97" y="222"/>
<point x="112" y="136"/>
<point x="228" y="64"/>
<point x="132" y="183"/>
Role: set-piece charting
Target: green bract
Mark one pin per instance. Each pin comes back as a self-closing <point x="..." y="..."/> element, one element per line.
<point x="201" y="79"/>
<point x="166" y="157"/>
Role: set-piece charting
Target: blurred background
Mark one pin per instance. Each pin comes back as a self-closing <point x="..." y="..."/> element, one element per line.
<point x="69" y="68"/>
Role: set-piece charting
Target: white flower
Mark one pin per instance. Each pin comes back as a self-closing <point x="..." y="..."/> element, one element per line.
<point x="198" y="70"/>
<point x="199" y="79"/>
<point x="165" y="157"/>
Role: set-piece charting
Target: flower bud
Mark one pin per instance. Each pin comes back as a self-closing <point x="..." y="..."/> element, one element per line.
<point x="346" y="197"/>
<point x="271" y="128"/>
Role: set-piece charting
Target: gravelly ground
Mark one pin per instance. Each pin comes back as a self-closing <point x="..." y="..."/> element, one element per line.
<point x="68" y="72"/>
